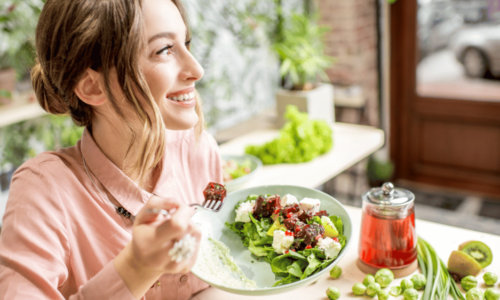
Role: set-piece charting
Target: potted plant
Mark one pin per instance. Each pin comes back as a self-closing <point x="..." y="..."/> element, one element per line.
<point x="379" y="171"/>
<point x="18" y="21"/>
<point x="303" y="63"/>
<point x="16" y="148"/>
<point x="23" y="140"/>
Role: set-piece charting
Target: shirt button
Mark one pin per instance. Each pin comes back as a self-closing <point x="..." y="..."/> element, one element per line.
<point x="184" y="278"/>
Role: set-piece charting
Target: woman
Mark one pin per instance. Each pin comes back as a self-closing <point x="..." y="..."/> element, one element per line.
<point x="80" y="222"/>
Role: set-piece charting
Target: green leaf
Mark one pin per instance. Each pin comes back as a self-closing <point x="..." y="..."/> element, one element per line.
<point x="280" y="264"/>
<point x="289" y="279"/>
<point x="295" y="269"/>
<point x="270" y="256"/>
<point x="236" y="227"/>
<point x="326" y="263"/>
<point x="337" y="221"/>
<point x="5" y="94"/>
<point x="259" y="250"/>
<point x="313" y="251"/>
<point x="250" y="198"/>
<point x="314" y="264"/>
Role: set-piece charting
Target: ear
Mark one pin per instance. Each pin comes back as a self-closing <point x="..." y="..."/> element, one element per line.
<point x="90" y="89"/>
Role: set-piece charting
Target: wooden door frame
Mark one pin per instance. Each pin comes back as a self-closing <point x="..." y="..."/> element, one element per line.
<point x="407" y="108"/>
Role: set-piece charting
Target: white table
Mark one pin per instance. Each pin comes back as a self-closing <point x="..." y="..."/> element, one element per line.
<point x="442" y="238"/>
<point x="351" y="143"/>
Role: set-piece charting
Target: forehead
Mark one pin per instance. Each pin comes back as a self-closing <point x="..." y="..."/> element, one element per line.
<point x="162" y="16"/>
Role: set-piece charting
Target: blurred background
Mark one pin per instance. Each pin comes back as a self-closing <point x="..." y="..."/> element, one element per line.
<point x="426" y="72"/>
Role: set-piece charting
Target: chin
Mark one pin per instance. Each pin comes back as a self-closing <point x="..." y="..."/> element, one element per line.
<point x="179" y="122"/>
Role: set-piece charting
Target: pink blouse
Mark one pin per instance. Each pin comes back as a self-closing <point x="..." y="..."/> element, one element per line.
<point x="59" y="235"/>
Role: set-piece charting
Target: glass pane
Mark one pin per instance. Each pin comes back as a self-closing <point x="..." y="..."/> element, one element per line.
<point x="459" y="49"/>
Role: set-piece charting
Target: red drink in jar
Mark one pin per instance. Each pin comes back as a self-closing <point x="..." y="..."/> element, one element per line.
<point x="388" y="238"/>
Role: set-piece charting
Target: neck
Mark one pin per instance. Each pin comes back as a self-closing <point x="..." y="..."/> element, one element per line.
<point x="114" y="141"/>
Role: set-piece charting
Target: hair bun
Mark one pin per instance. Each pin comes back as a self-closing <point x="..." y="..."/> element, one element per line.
<point x="45" y="93"/>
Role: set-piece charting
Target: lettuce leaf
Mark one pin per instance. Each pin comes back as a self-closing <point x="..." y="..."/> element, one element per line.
<point x="236" y="227"/>
<point x="292" y="266"/>
<point x="337" y="221"/>
<point x="316" y="251"/>
<point x="289" y="279"/>
<point x="259" y="250"/>
<point x="314" y="264"/>
<point x="280" y="265"/>
<point x="296" y="268"/>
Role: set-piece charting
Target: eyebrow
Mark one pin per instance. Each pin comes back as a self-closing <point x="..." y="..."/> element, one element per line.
<point x="165" y="34"/>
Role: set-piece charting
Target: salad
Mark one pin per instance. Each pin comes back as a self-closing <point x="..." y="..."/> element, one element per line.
<point x="231" y="169"/>
<point x="295" y="237"/>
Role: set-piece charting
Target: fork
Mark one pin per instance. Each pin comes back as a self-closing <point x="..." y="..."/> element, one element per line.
<point x="215" y="194"/>
<point x="213" y="201"/>
<point x="211" y="205"/>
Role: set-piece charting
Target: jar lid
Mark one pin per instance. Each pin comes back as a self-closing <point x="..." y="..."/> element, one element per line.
<point x="387" y="195"/>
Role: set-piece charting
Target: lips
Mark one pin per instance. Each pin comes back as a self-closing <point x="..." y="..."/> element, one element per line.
<point x="182" y="95"/>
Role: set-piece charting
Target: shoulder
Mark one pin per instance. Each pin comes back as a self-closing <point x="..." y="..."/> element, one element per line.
<point x="208" y="140"/>
<point x="49" y="165"/>
<point x="39" y="181"/>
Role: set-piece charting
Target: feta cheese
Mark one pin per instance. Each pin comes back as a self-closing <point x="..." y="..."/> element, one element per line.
<point x="288" y="200"/>
<point x="243" y="210"/>
<point x="309" y="205"/>
<point x="281" y="242"/>
<point x="331" y="247"/>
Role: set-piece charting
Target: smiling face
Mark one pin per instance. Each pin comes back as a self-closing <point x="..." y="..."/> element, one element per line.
<point x="169" y="68"/>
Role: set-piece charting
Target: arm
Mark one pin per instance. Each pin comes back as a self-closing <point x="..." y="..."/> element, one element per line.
<point x="35" y="249"/>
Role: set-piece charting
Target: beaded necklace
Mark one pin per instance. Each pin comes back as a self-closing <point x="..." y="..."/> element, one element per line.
<point x="120" y="210"/>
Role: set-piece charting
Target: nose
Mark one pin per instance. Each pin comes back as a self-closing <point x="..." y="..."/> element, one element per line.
<point x="190" y="68"/>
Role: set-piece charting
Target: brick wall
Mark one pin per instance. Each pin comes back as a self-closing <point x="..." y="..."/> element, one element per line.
<point x="353" y="41"/>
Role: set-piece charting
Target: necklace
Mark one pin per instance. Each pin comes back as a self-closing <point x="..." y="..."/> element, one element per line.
<point x="120" y="210"/>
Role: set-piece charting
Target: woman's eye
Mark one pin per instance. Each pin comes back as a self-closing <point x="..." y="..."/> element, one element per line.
<point x="165" y="50"/>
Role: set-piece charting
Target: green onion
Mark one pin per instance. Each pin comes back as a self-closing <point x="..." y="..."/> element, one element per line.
<point x="439" y="282"/>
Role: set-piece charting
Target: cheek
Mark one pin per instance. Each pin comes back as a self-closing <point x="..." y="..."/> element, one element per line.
<point x="160" y="82"/>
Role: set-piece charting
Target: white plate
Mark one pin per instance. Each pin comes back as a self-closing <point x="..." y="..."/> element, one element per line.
<point x="212" y="225"/>
<point x="255" y="166"/>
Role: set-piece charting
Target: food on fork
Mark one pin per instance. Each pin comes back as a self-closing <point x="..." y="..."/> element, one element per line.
<point x="215" y="191"/>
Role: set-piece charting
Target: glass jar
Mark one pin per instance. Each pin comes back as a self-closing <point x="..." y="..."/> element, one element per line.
<point x="388" y="238"/>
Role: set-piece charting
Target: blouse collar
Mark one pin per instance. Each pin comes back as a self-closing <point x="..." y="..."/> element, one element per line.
<point x="124" y="190"/>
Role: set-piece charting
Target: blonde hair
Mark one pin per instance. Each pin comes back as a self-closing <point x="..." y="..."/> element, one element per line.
<point x="75" y="35"/>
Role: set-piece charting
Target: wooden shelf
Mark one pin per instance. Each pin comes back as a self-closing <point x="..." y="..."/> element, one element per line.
<point x="20" y="110"/>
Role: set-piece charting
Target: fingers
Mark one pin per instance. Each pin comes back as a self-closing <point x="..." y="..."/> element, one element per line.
<point x="155" y="202"/>
<point x="176" y="226"/>
<point x="186" y="265"/>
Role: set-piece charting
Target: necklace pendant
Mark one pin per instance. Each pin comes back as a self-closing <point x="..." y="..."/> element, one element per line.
<point x="122" y="211"/>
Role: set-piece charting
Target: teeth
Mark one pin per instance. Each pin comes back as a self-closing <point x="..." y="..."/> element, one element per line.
<point x="183" y="97"/>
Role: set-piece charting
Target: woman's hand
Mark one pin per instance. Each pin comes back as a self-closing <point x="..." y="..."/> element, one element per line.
<point x="146" y="257"/>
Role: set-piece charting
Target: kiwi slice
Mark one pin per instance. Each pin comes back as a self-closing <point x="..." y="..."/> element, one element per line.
<point x="461" y="264"/>
<point x="479" y="251"/>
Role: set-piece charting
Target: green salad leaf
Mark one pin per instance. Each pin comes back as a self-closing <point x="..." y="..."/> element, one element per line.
<point x="300" y="140"/>
<point x="291" y="266"/>
<point x="314" y="264"/>
<point x="259" y="250"/>
<point x="289" y="279"/>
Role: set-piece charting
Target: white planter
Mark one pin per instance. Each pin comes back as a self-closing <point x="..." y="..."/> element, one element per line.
<point x="318" y="103"/>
